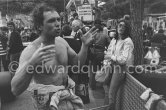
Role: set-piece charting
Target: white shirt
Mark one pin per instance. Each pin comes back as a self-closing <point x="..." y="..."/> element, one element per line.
<point x="121" y="51"/>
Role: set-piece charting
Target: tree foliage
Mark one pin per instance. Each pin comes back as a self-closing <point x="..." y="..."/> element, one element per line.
<point x="122" y="7"/>
<point x="25" y="7"/>
<point x="117" y="11"/>
<point x="158" y="8"/>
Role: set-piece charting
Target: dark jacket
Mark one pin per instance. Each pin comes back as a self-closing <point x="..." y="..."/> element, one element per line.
<point x="15" y="43"/>
<point x="158" y="38"/>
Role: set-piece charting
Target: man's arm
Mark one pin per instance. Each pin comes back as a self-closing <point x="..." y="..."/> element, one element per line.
<point x="22" y="78"/>
<point x="77" y="59"/>
<point x="82" y="55"/>
<point x="86" y="39"/>
<point x="29" y="58"/>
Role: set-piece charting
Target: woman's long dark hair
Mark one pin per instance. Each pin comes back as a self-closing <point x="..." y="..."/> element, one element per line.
<point x="127" y="32"/>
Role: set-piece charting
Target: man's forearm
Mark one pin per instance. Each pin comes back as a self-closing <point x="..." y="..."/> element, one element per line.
<point x="82" y="55"/>
<point x="21" y="80"/>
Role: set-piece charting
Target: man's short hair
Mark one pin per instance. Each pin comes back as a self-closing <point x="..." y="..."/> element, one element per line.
<point x="75" y="14"/>
<point x="11" y="23"/>
<point x="66" y="30"/>
<point x="38" y="12"/>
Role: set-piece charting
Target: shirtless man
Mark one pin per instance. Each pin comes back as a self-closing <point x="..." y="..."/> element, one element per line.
<point x="50" y="50"/>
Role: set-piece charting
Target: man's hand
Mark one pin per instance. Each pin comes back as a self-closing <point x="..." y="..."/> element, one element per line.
<point x="88" y="37"/>
<point x="44" y="53"/>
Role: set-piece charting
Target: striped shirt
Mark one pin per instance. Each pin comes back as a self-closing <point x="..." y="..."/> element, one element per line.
<point x="2" y="51"/>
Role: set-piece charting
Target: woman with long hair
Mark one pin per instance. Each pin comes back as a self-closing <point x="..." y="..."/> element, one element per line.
<point x="120" y="53"/>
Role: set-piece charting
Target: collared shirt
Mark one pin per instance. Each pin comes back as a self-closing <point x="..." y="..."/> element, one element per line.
<point x="71" y="37"/>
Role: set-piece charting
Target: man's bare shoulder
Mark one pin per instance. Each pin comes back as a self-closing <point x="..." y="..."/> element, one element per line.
<point x="61" y="40"/>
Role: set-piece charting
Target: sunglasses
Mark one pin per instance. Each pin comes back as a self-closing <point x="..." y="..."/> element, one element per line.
<point x="121" y="25"/>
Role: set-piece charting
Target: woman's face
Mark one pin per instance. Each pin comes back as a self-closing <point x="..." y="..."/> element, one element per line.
<point x="121" y="28"/>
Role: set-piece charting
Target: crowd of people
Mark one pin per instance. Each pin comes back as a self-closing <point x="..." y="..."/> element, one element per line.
<point x="11" y="45"/>
<point x="58" y="50"/>
<point x="154" y="36"/>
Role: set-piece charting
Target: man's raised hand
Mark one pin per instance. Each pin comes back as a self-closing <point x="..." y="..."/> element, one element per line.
<point x="88" y="37"/>
<point x="43" y="53"/>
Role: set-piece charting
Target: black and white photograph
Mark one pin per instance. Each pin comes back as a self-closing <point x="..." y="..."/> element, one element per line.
<point x="82" y="54"/>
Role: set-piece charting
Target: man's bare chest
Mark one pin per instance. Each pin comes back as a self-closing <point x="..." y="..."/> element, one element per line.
<point x="60" y="58"/>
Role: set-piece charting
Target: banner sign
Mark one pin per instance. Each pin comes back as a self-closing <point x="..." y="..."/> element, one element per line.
<point x="85" y="12"/>
<point x="82" y="2"/>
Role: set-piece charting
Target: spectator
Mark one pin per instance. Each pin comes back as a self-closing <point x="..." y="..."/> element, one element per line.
<point x="74" y="44"/>
<point x="120" y="53"/>
<point x="159" y="37"/>
<point x="75" y="16"/>
<point x="76" y="29"/>
<point x="97" y="48"/>
<point x="149" y="33"/>
<point x="144" y="31"/>
<point x="81" y="79"/>
<point x="15" y="43"/>
<point x="3" y="47"/>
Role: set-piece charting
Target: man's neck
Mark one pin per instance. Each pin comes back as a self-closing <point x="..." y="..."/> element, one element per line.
<point x="47" y="40"/>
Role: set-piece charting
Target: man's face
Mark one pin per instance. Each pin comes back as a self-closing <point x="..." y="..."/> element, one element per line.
<point x="76" y="28"/>
<point x="76" y="25"/>
<point x="51" y="23"/>
<point x="10" y="27"/>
